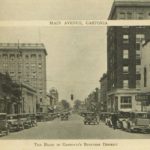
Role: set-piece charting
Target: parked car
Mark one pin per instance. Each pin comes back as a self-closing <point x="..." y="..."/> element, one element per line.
<point x="25" y="118"/>
<point x="15" y="124"/>
<point x="122" y="117"/>
<point x="33" y="119"/>
<point x="4" y="126"/>
<point x="103" y="116"/>
<point x="64" y="116"/>
<point x="137" y="122"/>
<point x="41" y="117"/>
<point x="90" y="118"/>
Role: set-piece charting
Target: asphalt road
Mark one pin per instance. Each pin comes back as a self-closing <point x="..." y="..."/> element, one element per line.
<point x="73" y="129"/>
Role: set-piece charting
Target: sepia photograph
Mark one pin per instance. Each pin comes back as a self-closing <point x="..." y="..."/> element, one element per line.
<point x="74" y="82"/>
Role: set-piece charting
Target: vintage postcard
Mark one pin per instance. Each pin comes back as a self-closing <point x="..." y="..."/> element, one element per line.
<point x="75" y="74"/>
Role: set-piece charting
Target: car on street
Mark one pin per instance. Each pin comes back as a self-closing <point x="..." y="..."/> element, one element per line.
<point x="137" y="122"/>
<point x="4" y="126"/>
<point x="122" y="117"/>
<point x="14" y="122"/>
<point x="90" y="118"/>
<point x="42" y="117"/>
<point x="26" y="119"/>
<point x="64" y="116"/>
<point x="33" y="119"/>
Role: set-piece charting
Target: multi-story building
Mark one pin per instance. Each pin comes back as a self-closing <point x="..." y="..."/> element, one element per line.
<point x="123" y="54"/>
<point x="52" y="99"/>
<point x="103" y="93"/>
<point x="145" y="76"/>
<point x="26" y="63"/>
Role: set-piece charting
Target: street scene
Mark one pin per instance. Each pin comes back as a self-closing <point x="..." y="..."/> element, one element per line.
<point x="76" y="82"/>
<point x="74" y="128"/>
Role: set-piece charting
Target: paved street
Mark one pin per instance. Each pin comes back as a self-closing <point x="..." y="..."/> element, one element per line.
<point x="73" y="129"/>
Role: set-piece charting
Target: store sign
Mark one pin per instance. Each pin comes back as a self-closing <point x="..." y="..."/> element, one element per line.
<point x="142" y="97"/>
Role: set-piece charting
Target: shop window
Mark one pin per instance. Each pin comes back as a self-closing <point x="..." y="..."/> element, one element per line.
<point x="126" y="102"/>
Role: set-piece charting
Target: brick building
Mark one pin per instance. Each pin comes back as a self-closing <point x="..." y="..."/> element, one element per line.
<point x="145" y="76"/>
<point x="26" y="63"/>
<point x="124" y="56"/>
<point x="103" y="93"/>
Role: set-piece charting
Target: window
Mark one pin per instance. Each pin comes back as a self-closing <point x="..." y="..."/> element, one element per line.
<point x="129" y="15"/>
<point x="125" y="38"/>
<point x="40" y="65"/>
<point x="125" y="54"/>
<point x="12" y="56"/>
<point x="126" y="102"/>
<point x="125" y="69"/>
<point x="5" y="56"/>
<point x="40" y="56"/>
<point x="125" y="84"/>
<point x="145" y="77"/>
<point x="140" y="16"/>
<point x="138" y="69"/>
<point x="138" y="83"/>
<point x="33" y="55"/>
<point x="26" y="56"/>
<point x="140" y="38"/>
<point x="137" y="46"/>
<point x="122" y="15"/>
<point x="12" y="74"/>
<point x="138" y="54"/>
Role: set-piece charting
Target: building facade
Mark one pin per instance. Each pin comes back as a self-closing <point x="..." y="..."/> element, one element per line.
<point x="103" y="93"/>
<point x="145" y="76"/>
<point x="52" y="99"/>
<point x="124" y="55"/>
<point x="29" y="99"/>
<point x="26" y="63"/>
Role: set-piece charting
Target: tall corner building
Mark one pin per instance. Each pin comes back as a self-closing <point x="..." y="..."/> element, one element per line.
<point x="26" y="63"/>
<point x="124" y="54"/>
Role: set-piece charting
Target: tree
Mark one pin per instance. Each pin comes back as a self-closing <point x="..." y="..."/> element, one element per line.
<point x="65" y="104"/>
<point x="77" y="105"/>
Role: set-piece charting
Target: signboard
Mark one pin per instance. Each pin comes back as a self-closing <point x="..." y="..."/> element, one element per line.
<point x="142" y="97"/>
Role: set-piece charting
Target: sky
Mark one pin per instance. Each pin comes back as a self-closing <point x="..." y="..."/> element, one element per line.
<point x="76" y="55"/>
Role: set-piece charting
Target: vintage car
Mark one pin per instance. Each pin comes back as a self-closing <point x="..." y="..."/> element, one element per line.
<point x="41" y="117"/>
<point x="64" y="116"/>
<point x="122" y="117"/>
<point x="33" y="119"/>
<point x="137" y="122"/>
<point x="15" y="124"/>
<point x="90" y="118"/>
<point x="25" y="118"/>
<point x="4" y="126"/>
<point x="103" y="116"/>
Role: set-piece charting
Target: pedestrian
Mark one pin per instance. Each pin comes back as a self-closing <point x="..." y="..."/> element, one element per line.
<point x="114" y="119"/>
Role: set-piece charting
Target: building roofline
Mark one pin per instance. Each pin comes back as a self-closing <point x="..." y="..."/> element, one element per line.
<point x="130" y="3"/>
<point x="23" y="46"/>
<point x="103" y="77"/>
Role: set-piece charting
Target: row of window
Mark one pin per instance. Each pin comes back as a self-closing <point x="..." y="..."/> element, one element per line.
<point x="126" y="84"/>
<point x="126" y="69"/>
<point x="130" y="15"/>
<point x="12" y="56"/>
<point x="140" y="38"/>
